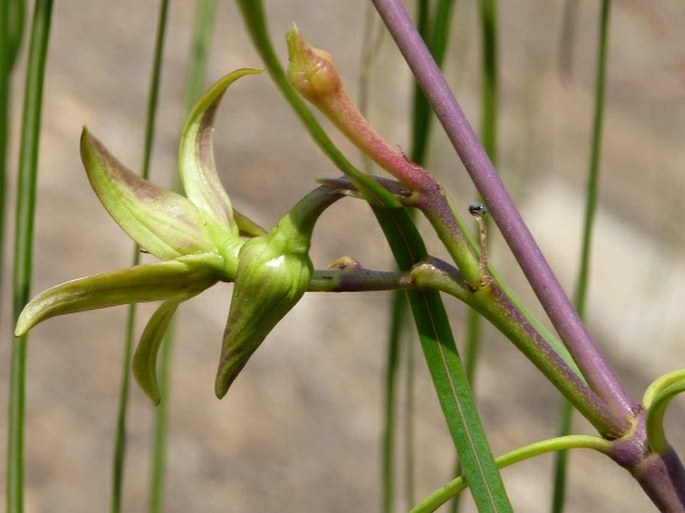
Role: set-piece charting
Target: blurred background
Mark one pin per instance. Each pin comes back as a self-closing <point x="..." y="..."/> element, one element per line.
<point x="300" y="428"/>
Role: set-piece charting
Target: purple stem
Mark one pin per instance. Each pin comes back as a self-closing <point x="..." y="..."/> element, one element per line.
<point x="554" y="300"/>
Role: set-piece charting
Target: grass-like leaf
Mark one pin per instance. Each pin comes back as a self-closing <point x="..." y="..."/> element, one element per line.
<point x="23" y="245"/>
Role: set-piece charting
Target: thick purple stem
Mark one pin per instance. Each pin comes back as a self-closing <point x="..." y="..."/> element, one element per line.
<point x="661" y="476"/>
<point x="515" y="232"/>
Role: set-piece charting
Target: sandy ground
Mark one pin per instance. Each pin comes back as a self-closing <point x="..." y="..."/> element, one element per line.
<point x="300" y="429"/>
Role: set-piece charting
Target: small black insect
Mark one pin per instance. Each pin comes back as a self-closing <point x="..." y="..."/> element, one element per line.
<point x="478" y="210"/>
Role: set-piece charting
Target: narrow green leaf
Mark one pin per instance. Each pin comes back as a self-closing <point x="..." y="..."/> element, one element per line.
<point x="164" y="223"/>
<point x="145" y="357"/>
<point x="23" y="244"/>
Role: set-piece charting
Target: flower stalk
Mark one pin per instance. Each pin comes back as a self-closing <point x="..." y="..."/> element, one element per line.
<point x="514" y="230"/>
<point x="313" y="73"/>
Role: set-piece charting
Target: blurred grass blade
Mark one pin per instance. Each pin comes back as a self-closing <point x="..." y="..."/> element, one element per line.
<point x="397" y="310"/>
<point x="583" y="280"/>
<point x="119" y="451"/>
<point x="11" y="30"/>
<point x="436" y="35"/>
<point x="202" y="38"/>
<point x="431" y="319"/>
<point x="204" y="25"/>
<point x="23" y="245"/>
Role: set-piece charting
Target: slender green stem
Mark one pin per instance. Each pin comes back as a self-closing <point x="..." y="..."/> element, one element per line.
<point x="202" y="38"/>
<point x="398" y="308"/>
<point x="120" y="436"/>
<point x="11" y="29"/>
<point x="560" y="472"/>
<point x="583" y="280"/>
<point x="454" y="487"/>
<point x="23" y="246"/>
<point x="595" y="158"/>
<point x="488" y="134"/>
<point x="202" y="35"/>
<point x="514" y="230"/>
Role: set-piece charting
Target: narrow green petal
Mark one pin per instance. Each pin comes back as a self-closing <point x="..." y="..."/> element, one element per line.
<point x="145" y="357"/>
<point x="164" y="223"/>
<point x="196" y="154"/>
<point x="177" y="279"/>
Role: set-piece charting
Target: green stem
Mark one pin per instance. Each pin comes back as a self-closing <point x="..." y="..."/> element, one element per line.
<point x="23" y="246"/>
<point x="11" y="28"/>
<point x="202" y="38"/>
<point x="454" y="487"/>
<point x="398" y="308"/>
<point x="120" y="435"/>
<point x="204" y="23"/>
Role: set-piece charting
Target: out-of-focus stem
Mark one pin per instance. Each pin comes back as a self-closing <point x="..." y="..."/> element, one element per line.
<point x="515" y="232"/>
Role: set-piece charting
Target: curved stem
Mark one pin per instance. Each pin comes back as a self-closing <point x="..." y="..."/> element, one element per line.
<point x="454" y="487"/>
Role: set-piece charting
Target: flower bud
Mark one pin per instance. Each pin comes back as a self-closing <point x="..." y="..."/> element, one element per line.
<point x="314" y="75"/>
<point x="312" y="71"/>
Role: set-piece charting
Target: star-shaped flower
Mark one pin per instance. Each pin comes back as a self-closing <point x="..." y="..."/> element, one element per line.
<point x="199" y="239"/>
<point x="196" y="237"/>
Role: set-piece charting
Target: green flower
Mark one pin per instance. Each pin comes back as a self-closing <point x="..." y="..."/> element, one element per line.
<point x="196" y="237"/>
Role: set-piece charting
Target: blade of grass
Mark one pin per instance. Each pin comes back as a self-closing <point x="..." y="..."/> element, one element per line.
<point x="11" y="30"/>
<point x="431" y="319"/>
<point x="119" y="451"/>
<point x="397" y="314"/>
<point x="583" y="280"/>
<point x="202" y="35"/>
<point x="23" y="245"/>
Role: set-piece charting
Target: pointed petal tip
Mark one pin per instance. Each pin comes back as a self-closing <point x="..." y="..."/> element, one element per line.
<point x="223" y="381"/>
<point x="220" y="392"/>
<point x="144" y="364"/>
